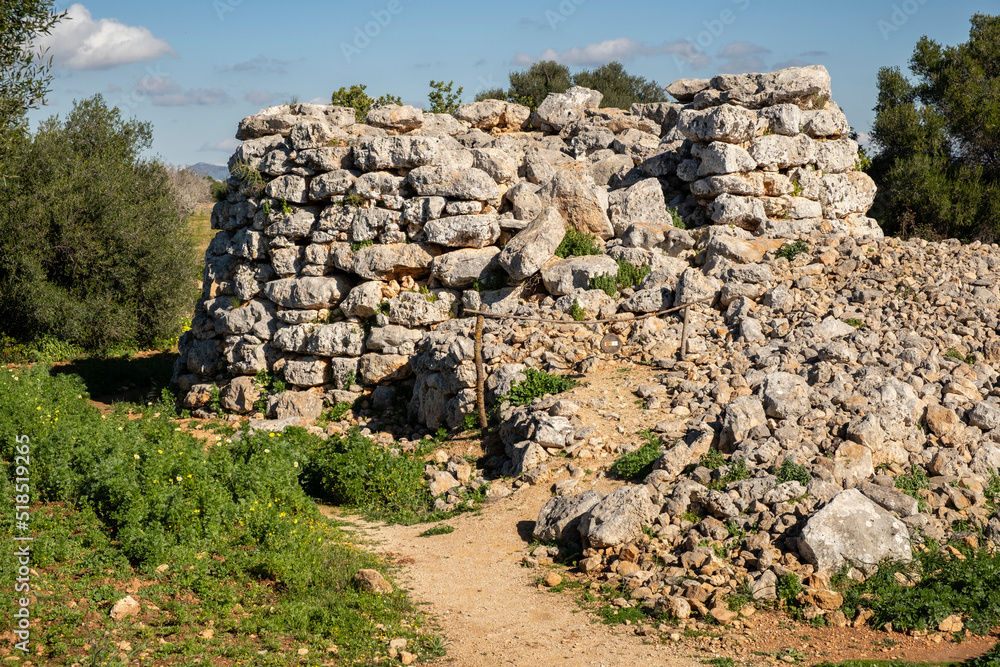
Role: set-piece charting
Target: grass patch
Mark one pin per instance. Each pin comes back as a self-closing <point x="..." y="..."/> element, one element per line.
<point x="736" y="472"/>
<point x="248" y="554"/>
<point x="965" y="359"/>
<point x="790" y="471"/>
<point x="628" y="276"/>
<point x="941" y="584"/>
<point x="577" y="244"/>
<point x="713" y="460"/>
<point x="639" y="463"/>
<point x="790" y="250"/>
<point x="912" y="482"/>
<point x="442" y="529"/>
<point x="857" y="324"/>
<point x="537" y="384"/>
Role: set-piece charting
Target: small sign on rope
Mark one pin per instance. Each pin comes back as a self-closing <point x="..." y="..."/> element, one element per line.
<point x="611" y="344"/>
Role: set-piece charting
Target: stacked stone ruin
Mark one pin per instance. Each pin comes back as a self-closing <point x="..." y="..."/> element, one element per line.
<point x="354" y="257"/>
<point x="350" y="254"/>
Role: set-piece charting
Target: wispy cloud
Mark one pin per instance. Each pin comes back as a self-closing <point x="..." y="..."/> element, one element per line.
<point x="259" y="97"/>
<point x="165" y="92"/>
<point x="81" y="43"/>
<point x="814" y="54"/>
<point x="260" y="65"/>
<point x="227" y="146"/>
<point x="742" y="56"/>
<point x="622" y="49"/>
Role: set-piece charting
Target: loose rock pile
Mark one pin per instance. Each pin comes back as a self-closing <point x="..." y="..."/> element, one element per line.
<point x="870" y="364"/>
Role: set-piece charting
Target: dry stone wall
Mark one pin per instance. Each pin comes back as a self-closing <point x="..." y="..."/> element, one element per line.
<point x="348" y="253"/>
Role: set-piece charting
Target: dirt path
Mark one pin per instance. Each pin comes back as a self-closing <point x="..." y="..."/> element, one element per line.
<point x="488" y="607"/>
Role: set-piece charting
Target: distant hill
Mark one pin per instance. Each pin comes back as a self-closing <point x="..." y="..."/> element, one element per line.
<point x="217" y="171"/>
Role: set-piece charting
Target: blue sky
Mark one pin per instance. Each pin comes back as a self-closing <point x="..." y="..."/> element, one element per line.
<point x="194" y="68"/>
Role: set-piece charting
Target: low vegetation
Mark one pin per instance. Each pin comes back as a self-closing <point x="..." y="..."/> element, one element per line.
<point x="639" y="463"/>
<point x="628" y="275"/>
<point x="537" y="384"/>
<point x="219" y="533"/>
<point x="577" y="244"/>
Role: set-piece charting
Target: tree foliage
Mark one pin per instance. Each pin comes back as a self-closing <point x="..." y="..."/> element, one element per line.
<point x="24" y="69"/>
<point x="442" y="99"/>
<point x="620" y="89"/>
<point x="92" y="247"/>
<point x="356" y="98"/>
<point x="938" y="139"/>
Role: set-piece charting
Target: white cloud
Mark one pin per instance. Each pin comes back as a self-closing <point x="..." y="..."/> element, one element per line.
<point x="259" y="97"/>
<point x="165" y="92"/>
<point x="199" y="97"/>
<point x="742" y="49"/>
<point x="158" y="85"/>
<point x="227" y="146"/>
<point x="260" y="65"/>
<point x="622" y="49"/>
<point x="79" y="42"/>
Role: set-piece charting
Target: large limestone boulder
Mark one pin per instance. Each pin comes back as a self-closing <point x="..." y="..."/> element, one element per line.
<point x="562" y="276"/>
<point x="618" y="518"/>
<point x="559" y="518"/>
<point x="806" y="87"/>
<point x="641" y="203"/>
<point x="394" y="117"/>
<point x="339" y="339"/>
<point x="534" y="245"/>
<point x="461" y="268"/>
<point x="407" y="152"/>
<point x="560" y="109"/>
<point x="489" y="114"/>
<point x="394" y="261"/>
<point x="472" y="184"/>
<point x="684" y="90"/>
<point x="309" y="293"/>
<point x="240" y="395"/>
<point x="575" y="196"/>
<point x="730" y="124"/>
<point x="464" y="231"/>
<point x="853" y="529"/>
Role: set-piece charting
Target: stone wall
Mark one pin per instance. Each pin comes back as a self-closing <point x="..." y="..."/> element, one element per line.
<point x="352" y="257"/>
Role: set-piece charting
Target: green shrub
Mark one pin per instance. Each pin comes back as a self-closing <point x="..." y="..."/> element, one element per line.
<point x="537" y="384"/>
<point x="93" y="250"/>
<point x="251" y="180"/>
<point x="576" y="312"/>
<point x="577" y="244"/>
<point x="442" y="99"/>
<point x="638" y="464"/>
<point x="338" y="411"/>
<point x="630" y="275"/>
<point x="938" y="583"/>
<point x="735" y="473"/>
<point x="713" y="460"/>
<point x="676" y="219"/>
<point x="790" y="250"/>
<point x="219" y="190"/>
<point x="441" y="529"/>
<point x="788" y="587"/>
<point x="790" y="471"/>
<point x="912" y="482"/>
<point x="356" y="98"/>
<point x="606" y="283"/>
